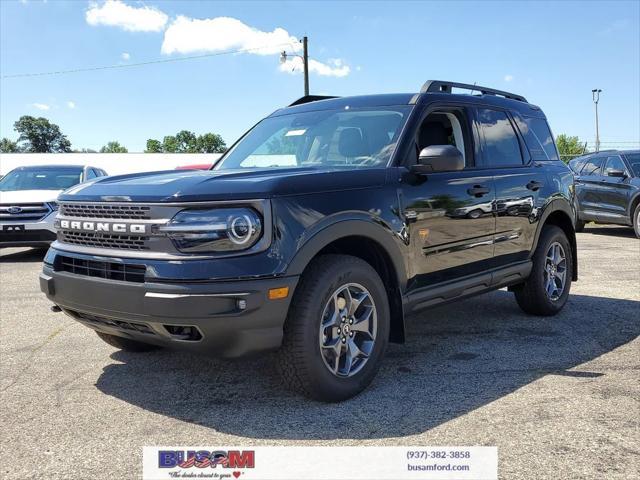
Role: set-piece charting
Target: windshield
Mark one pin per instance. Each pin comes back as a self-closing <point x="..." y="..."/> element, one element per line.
<point x="634" y="160"/>
<point x="41" y="179"/>
<point x="345" y="138"/>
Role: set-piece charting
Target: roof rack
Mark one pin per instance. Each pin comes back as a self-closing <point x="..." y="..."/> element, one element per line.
<point x="441" y="86"/>
<point x="310" y="98"/>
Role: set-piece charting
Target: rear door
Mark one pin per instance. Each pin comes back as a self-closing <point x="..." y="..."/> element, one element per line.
<point x="588" y="189"/>
<point x="517" y="181"/>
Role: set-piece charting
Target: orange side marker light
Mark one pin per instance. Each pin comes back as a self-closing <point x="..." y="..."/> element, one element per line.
<point x="276" y="293"/>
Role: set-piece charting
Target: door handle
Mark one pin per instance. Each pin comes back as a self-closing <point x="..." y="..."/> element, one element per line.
<point x="478" y="191"/>
<point x="534" y="185"/>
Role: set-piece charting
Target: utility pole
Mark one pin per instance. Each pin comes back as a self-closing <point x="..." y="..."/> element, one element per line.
<point x="595" y="93"/>
<point x="305" y="62"/>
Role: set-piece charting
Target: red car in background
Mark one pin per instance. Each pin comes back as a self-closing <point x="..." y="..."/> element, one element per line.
<point x="195" y="166"/>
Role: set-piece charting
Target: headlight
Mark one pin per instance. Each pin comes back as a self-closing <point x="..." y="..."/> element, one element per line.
<point x="214" y="230"/>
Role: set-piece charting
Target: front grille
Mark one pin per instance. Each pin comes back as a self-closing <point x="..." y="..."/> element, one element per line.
<point x="23" y="212"/>
<point x="105" y="211"/>
<point x="95" y="319"/>
<point x="107" y="270"/>
<point x="103" y="240"/>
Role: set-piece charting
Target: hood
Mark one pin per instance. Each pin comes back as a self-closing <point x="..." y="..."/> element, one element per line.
<point x="196" y="186"/>
<point x="29" y="196"/>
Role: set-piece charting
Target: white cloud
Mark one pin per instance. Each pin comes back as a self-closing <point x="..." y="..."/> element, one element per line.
<point x="115" y="13"/>
<point x="71" y="104"/>
<point x="41" y="106"/>
<point x="189" y="35"/>
<point x="125" y="56"/>
<point x="508" y="78"/>
<point x="334" y="67"/>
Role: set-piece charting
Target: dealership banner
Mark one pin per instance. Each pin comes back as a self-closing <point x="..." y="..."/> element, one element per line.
<point x="320" y="463"/>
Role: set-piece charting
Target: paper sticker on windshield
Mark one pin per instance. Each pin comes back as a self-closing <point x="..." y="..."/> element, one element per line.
<point x="295" y="133"/>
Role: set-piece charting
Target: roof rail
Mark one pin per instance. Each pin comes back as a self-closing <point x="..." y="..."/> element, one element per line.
<point x="310" y="98"/>
<point x="441" y="86"/>
<point x="608" y="150"/>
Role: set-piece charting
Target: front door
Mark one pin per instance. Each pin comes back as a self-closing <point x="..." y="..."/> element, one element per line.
<point x="449" y="216"/>
<point x="588" y="190"/>
<point x="614" y="191"/>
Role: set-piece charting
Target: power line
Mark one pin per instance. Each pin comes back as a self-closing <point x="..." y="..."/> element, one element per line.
<point x="140" y="64"/>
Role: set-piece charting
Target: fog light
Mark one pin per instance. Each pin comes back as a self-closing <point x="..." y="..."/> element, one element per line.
<point x="276" y="293"/>
<point x="242" y="304"/>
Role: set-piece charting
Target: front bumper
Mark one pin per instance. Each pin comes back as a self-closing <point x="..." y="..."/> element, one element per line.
<point x="35" y="234"/>
<point x="230" y="318"/>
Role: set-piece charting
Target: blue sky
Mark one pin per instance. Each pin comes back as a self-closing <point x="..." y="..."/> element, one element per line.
<point x="552" y="53"/>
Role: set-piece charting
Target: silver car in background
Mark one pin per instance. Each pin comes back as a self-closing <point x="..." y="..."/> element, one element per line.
<point x="28" y="201"/>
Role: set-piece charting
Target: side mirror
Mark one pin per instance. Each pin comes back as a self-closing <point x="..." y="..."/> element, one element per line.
<point x="438" y="158"/>
<point x="616" y="173"/>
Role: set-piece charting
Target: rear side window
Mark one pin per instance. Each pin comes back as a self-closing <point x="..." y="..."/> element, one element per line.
<point x="592" y="166"/>
<point x="538" y="138"/>
<point x="500" y="145"/>
<point x="634" y="160"/>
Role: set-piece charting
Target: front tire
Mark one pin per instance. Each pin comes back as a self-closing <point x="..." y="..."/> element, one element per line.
<point x="126" y="344"/>
<point x="636" y="220"/>
<point x="546" y="290"/>
<point x="336" y="331"/>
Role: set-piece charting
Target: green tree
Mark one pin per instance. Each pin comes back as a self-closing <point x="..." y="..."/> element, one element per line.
<point x="569" y="147"/>
<point x="8" y="146"/>
<point x="186" y="141"/>
<point x="113" y="147"/>
<point x="38" y="135"/>
<point x="153" y="146"/>
<point x="211" y="143"/>
<point x="170" y="144"/>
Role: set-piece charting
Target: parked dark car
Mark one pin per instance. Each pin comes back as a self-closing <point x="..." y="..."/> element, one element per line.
<point x="321" y="229"/>
<point x="608" y="188"/>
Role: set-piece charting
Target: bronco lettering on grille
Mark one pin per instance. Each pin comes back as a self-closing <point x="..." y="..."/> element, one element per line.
<point x="103" y="226"/>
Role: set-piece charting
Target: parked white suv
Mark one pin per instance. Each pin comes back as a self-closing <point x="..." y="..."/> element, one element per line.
<point x="28" y="201"/>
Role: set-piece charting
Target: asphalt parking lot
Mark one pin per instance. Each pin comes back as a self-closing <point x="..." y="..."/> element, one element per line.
<point x="560" y="397"/>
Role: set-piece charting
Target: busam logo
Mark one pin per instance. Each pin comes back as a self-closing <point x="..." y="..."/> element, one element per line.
<point x="234" y="459"/>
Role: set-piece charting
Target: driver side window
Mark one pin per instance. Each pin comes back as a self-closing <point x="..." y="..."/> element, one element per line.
<point x="614" y="163"/>
<point x="446" y="127"/>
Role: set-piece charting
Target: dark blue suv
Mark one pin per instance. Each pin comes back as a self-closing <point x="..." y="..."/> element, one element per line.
<point x="321" y="229"/>
<point x="608" y="188"/>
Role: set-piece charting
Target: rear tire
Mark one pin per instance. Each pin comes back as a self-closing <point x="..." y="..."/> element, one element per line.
<point x="636" y="220"/>
<point x="126" y="344"/>
<point x="544" y="292"/>
<point x="579" y="226"/>
<point x="340" y="310"/>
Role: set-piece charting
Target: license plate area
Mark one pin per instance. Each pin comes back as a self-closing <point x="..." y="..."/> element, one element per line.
<point x="12" y="228"/>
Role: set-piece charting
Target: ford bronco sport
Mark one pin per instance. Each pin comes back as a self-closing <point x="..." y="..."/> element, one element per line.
<point x="321" y="229"/>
